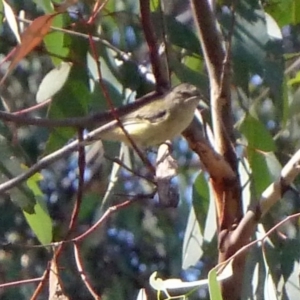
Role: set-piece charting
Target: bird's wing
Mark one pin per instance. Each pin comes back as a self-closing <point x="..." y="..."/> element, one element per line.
<point x="151" y="117"/>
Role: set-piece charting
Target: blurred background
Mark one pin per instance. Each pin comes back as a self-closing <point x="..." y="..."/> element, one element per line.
<point x="134" y="242"/>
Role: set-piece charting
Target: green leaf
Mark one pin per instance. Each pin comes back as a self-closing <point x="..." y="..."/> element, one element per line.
<point x="249" y="36"/>
<point x="46" y="5"/>
<point x="181" y="35"/>
<point x="193" y="236"/>
<point x="295" y="80"/>
<point x="53" y="82"/>
<point x="32" y="183"/>
<point x="192" y="242"/>
<point x="258" y="137"/>
<point x="130" y="75"/>
<point x="2" y="11"/>
<point x="274" y="64"/>
<point x="285" y="103"/>
<point x="282" y="10"/>
<point x="71" y="101"/>
<point x="292" y="282"/>
<point x="154" y="5"/>
<point x="142" y="295"/>
<point x="257" y="48"/>
<point x="201" y="198"/>
<point x="259" y="142"/>
<point x="244" y="174"/>
<point x="260" y="172"/>
<point x="10" y="167"/>
<point x="187" y="70"/>
<point x="214" y="286"/>
<point x="296" y="12"/>
<point x="56" y="41"/>
<point x="40" y="222"/>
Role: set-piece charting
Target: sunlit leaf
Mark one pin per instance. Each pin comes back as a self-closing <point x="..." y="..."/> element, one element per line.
<point x="2" y="11"/>
<point x="192" y="243"/>
<point x="292" y="283"/>
<point x="30" y="38"/>
<point x="58" y="43"/>
<point x="142" y="295"/>
<point x="270" y="292"/>
<point x="214" y="286"/>
<point x="193" y="236"/>
<point x="32" y="183"/>
<point x="295" y="79"/>
<point x="281" y="11"/>
<point x="177" y="284"/>
<point x="296" y="12"/>
<point x="154" y="4"/>
<point x="40" y="222"/>
<point x="53" y="82"/>
<point x="12" y="21"/>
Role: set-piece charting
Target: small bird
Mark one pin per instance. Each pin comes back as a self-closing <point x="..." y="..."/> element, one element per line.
<point x="161" y="119"/>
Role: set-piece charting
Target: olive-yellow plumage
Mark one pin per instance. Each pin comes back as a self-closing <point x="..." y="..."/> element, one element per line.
<point x="159" y="120"/>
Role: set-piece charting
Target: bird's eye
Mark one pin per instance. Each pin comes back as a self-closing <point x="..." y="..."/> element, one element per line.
<point x="185" y="94"/>
<point x="188" y="94"/>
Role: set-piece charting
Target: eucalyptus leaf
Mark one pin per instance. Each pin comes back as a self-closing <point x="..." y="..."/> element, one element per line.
<point x="53" y="82"/>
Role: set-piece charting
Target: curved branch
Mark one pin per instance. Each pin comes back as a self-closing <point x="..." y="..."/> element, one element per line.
<point x="51" y="158"/>
<point x="89" y="121"/>
<point x="227" y="193"/>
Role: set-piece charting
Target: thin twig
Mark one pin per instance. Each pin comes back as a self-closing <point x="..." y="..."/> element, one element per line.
<point x="260" y="240"/>
<point x="108" y="212"/>
<point x="89" y="121"/>
<point x="122" y="164"/>
<point x="20" y="282"/>
<point x="32" y="108"/>
<point x="114" y="111"/>
<point x="159" y="69"/>
<point x="81" y="168"/>
<point x="51" y="158"/>
<point x="82" y="273"/>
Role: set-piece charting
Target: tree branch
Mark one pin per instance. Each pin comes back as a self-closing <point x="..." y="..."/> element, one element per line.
<point x="89" y="121"/>
<point x="158" y="62"/>
<point x="227" y="192"/>
<point x="51" y="158"/>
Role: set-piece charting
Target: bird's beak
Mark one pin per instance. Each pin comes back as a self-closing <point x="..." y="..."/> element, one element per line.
<point x="202" y="105"/>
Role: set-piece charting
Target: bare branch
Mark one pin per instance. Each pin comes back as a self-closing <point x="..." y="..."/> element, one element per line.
<point x="79" y="194"/>
<point x="227" y="193"/>
<point x="211" y="41"/>
<point x="51" y="158"/>
<point x="89" y="121"/>
<point x="272" y="194"/>
<point x="20" y="282"/>
<point x="83" y="273"/>
<point x="158" y="61"/>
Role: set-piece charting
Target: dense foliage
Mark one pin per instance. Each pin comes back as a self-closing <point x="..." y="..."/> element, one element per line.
<point x="81" y="63"/>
